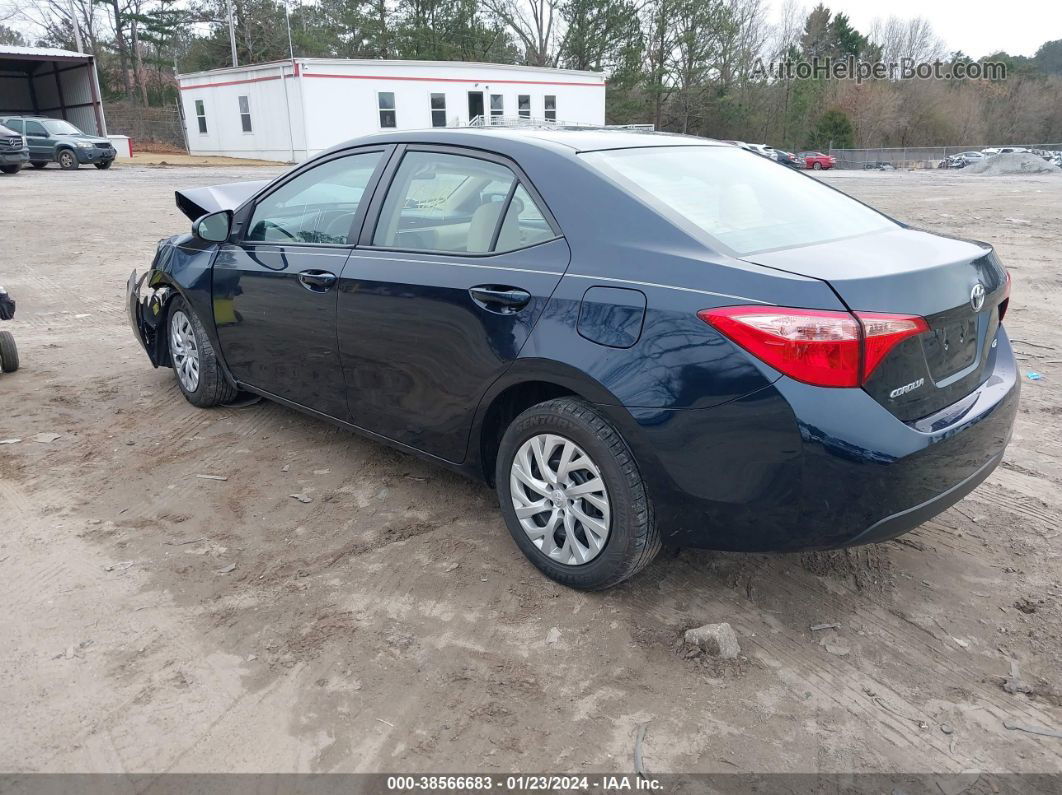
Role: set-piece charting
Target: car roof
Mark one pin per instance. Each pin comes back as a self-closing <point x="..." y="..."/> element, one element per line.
<point x="572" y="139"/>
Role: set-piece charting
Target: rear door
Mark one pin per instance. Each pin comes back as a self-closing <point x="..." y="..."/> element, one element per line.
<point x="41" y="146"/>
<point x="275" y="290"/>
<point x="457" y="261"/>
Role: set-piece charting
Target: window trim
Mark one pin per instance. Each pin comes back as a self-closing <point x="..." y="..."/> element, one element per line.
<point x="546" y="109"/>
<point x="380" y="111"/>
<point x="250" y="121"/>
<point x="383" y="187"/>
<point x="200" y="118"/>
<point x="432" y="111"/>
<point x="244" y="213"/>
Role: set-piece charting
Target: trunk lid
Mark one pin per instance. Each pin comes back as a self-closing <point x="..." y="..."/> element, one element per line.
<point x="905" y="271"/>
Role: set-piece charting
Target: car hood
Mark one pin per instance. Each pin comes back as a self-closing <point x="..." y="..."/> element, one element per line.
<point x="197" y="202"/>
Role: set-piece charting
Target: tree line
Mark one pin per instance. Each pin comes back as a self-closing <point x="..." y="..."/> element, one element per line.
<point x="692" y="66"/>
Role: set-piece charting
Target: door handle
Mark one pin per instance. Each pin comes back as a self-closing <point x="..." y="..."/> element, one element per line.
<point x="317" y="281"/>
<point x="500" y="299"/>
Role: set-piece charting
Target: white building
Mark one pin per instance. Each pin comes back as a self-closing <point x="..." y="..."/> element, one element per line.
<point x="291" y="110"/>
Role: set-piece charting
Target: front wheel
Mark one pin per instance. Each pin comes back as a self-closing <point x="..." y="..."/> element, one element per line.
<point x="572" y="496"/>
<point x="817" y="166"/>
<point x="12" y="169"/>
<point x="67" y="160"/>
<point x="199" y="373"/>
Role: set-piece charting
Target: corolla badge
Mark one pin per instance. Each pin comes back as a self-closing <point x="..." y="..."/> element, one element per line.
<point x="911" y="387"/>
<point x="977" y="297"/>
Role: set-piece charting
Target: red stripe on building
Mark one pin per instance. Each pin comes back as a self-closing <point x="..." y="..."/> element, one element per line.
<point x="453" y="80"/>
<point x="233" y="82"/>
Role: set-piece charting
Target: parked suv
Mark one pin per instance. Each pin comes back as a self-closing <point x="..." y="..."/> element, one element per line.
<point x="60" y="141"/>
<point x="13" y="151"/>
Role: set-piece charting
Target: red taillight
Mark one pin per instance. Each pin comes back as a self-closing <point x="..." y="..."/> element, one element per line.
<point x="816" y="346"/>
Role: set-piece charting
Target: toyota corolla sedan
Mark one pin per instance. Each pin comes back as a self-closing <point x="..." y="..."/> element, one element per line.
<point x="637" y="339"/>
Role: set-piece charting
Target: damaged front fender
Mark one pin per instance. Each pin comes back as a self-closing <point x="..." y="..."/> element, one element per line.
<point x="146" y="315"/>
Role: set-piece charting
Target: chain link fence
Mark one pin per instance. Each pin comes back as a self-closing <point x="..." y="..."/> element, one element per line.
<point x="158" y="128"/>
<point x="918" y="156"/>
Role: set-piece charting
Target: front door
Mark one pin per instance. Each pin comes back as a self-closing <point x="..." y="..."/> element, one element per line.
<point x="475" y="104"/>
<point x="41" y="146"/>
<point x="275" y="290"/>
<point x="442" y="294"/>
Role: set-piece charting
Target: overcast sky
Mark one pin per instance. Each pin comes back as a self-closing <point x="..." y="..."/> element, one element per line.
<point x="977" y="28"/>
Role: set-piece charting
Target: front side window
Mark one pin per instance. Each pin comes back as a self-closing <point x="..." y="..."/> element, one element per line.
<point x="497" y="107"/>
<point x="386" y="103"/>
<point x="200" y="115"/>
<point x="523" y="106"/>
<point x="438" y="110"/>
<point x="245" y="114"/>
<point x="318" y="206"/>
<point x="60" y="127"/>
<point x="551" y="107"/>
<point x="740" y="200"/>
<point x="443" y="202"/>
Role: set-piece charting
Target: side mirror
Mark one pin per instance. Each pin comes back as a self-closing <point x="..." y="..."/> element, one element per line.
<point x="214" y="227"/>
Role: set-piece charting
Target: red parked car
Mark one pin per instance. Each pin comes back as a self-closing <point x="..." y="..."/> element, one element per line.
<point x="817" y="160"/>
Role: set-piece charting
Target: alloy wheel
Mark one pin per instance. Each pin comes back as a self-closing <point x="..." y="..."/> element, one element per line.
<point x="184" y="351"/>
<point x="560" y="499"/>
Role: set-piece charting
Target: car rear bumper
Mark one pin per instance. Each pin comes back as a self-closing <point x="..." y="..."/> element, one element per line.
<point x="796" y="467"/>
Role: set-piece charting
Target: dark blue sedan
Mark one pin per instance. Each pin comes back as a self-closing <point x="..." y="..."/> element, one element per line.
<point x="638" y="339"/>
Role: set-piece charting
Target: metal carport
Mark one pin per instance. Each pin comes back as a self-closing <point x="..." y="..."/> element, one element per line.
<point x="46" y="82"/>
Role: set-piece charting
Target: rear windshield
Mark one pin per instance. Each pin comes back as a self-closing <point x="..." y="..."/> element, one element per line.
<point x="743" y="201"/>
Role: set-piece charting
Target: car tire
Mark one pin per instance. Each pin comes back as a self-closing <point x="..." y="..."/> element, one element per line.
<point x="12" y="169"/>
<point x="8" y="352"/>
<point x="199" y="373"/>
<point x="38" y="164"/>
<point x="103" y="165"/>
<point x="67" y="159"/>
<point x="630" y="540"/>
<point x="817" y="166"/>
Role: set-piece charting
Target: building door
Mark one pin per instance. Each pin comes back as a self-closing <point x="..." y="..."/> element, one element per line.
<point x="475" y="104"/>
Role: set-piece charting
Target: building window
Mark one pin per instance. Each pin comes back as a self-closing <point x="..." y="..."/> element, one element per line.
<point x="523" y="105"/>
<point x="386" y="104"/>
<point x="245" y="114"/>
<point x="497" y="108"/>
<point x="438" y="110"/>
<point x="200" y="116"/>
<point x="551" y="107"/>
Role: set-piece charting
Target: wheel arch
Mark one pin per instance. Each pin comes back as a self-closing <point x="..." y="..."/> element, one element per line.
<point x="528" y="383"/>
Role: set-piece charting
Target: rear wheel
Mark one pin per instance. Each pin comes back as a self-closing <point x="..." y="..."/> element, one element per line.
<point x="817" y="166"/>
<point x="103" y="165"/>
<point x="199" y="373"/>
<point x="572" y="496"/>
<point x="8" y="352"/>
<point x="67" y="160"/>
<point x="12" y="169"/>
<point x="38" y="163"/>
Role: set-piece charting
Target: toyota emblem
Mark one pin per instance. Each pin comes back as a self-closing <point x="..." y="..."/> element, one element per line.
<point x="977" y="297"/>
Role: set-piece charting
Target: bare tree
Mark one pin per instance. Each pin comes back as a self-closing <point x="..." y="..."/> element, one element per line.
<point x="535" y="25"/>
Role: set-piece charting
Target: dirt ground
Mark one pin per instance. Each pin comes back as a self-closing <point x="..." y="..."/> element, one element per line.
<point x="392" y="625"/>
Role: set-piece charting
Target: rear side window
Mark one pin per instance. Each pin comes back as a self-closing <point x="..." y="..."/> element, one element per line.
<point x="740" y="200"/>
<point x="318" y="206"/>
<point x="35" y="128"/>
<point x="14" y="124"/>
<point x="457" y="204"/>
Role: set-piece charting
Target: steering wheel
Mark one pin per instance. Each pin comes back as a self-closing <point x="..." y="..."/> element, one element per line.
<point x="273" y="225"/>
